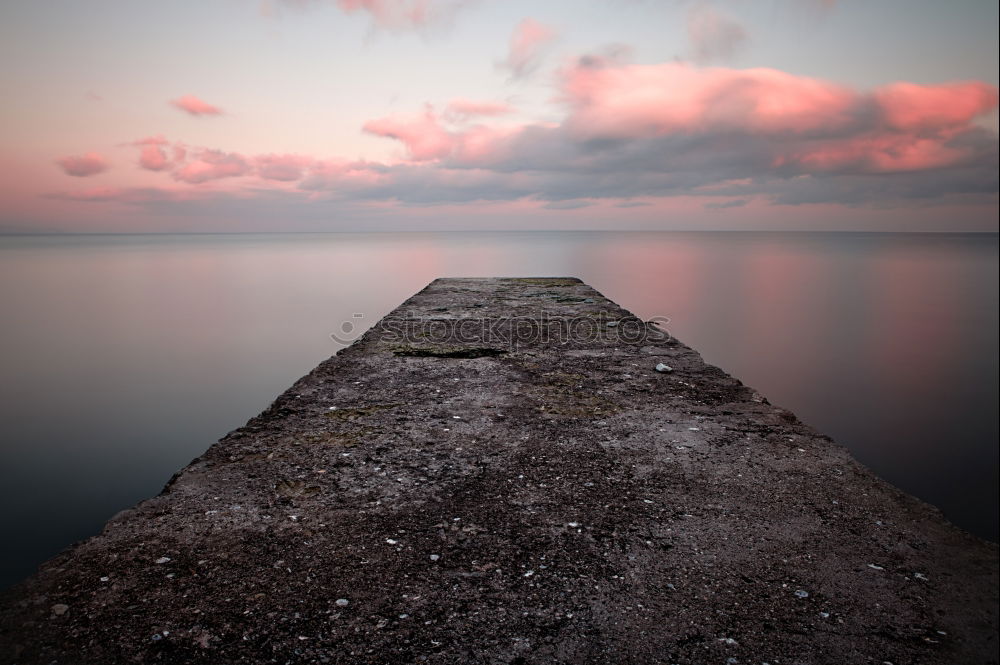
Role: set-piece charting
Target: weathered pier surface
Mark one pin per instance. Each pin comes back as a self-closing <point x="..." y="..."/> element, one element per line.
<point x="422" y="499"/>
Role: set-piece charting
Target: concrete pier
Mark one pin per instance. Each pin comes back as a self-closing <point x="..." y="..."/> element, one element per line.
<point x="499" y="473"/>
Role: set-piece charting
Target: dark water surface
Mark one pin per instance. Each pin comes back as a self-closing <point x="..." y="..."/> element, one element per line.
<point x="124" y="357"/>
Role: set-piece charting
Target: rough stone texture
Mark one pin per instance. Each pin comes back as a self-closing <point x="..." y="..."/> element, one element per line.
<point x="541" y="502"/>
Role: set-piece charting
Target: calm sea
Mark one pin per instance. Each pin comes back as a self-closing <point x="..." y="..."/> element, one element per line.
<point x="124" y="357"/>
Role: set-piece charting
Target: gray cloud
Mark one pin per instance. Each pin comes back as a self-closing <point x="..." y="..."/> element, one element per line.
<point x="714" y="36"/>
<point x="568" y="205"/>
<point x="722" y="205"/>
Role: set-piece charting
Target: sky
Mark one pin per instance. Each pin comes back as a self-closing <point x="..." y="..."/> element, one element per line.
<point x="354" y="115"/>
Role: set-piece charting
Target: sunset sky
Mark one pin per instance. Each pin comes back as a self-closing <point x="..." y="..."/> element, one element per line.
<point x="316" y="115"/>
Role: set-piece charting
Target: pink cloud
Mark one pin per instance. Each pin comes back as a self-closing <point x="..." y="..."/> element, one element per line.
<point x="390" y="13"/>
<point x="644" y="100"/>
<point x="82" y="166"/>
<point x="527" y="44"/>
<point x="156" y="153"/>
<point x="480" y="145"/>
<point x="622" y="101"/>
<point x="195" y="106"/>
<point x="282" y="168"/>
<point x="669" y="128"/>
<point x="426" y="138"/>
<point x="465" y="108"/>
<point x="423" y="135"/>
<point x="213" y="165"/>
<point x="216" y="164"/>
<point x="153" y="158"/>
<point x="657" y="131"/>
<point x="908" y="106"/>
<point x="876" y="153"/>
<point x="152" y="155"/>
<point x="402" y="14"/>
<point x="812" y="123"/>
